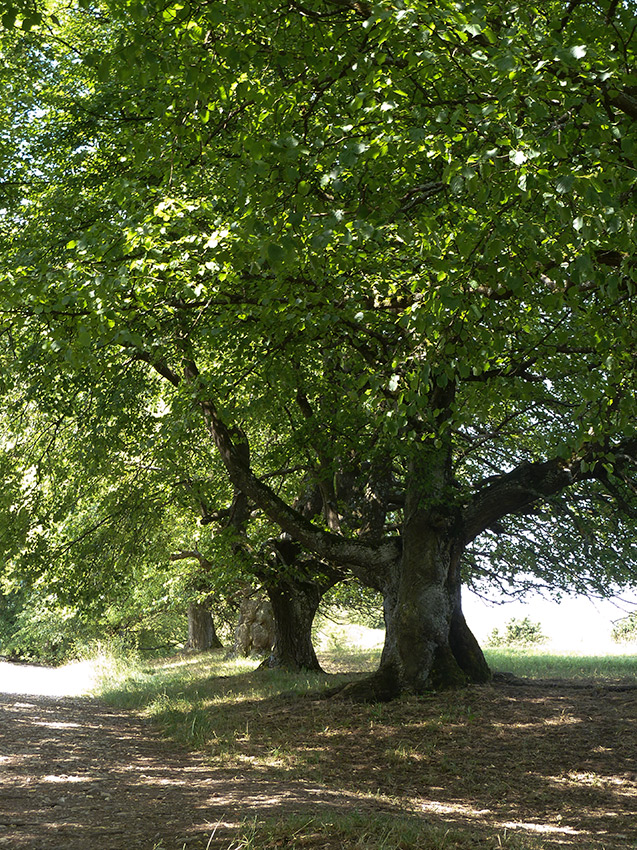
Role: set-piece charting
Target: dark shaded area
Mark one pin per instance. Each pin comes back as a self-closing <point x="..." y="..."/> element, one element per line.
<point x="76" y="774"/>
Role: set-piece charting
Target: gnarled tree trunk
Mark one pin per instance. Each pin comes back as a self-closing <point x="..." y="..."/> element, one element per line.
<point x="428" y="644"/>
<point x="254" y="634"/>
<point x="427" y="641"/>
<point x="295" y="604"/>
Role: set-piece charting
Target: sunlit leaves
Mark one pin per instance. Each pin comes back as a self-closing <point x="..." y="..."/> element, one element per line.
<point x="438" y="197"/>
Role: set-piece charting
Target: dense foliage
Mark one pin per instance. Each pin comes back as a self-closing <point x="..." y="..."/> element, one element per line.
<point x="387" y="248"/>
<point x="522" y="632"/>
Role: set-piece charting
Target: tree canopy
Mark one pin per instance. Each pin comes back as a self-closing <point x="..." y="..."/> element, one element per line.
<point x="389" y="248"/>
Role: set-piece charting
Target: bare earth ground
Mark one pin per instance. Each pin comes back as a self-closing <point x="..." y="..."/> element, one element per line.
<point x="549" y="760"/>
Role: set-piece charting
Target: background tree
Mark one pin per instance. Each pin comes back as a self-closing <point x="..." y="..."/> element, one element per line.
<point x="396" y="240"/>
<point x="625" y="630"/>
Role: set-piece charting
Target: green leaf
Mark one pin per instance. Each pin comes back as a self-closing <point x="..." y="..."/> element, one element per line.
<point x="275" y="253"/>
<point x="565" y="183"/>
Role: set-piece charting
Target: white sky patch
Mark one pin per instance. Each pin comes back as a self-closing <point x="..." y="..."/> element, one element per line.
<point x="576" y="623"/>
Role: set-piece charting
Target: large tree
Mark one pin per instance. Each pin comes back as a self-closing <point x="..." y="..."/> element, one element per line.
<point x="396" y="239"/>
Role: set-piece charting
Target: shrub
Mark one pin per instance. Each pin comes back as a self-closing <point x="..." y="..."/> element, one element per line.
<point x="625" y="630"/>
<point x="522" y="632"/>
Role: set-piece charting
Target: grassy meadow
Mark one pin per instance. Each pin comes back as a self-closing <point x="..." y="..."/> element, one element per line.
<point x="431" y="772"/>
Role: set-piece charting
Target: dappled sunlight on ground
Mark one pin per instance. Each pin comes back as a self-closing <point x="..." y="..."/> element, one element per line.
<point x="517" y="764"/>
<point x="523" y="759"/>
<point x="76" y="774"/>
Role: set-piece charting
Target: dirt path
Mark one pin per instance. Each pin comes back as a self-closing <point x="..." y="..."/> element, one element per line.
<point x="77" y="774"/>
<point x="555" y="759"/>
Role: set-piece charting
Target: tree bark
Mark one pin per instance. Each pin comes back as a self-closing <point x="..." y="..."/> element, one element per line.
<point x="464" y="646"/>
<point x="201" y="629"/>
<point x="295" y="584"/>
<point x="417" y="655"/>
<point x="294" y="604"/>
<point x="428" y="644"/>
<point x="254" y="634"/>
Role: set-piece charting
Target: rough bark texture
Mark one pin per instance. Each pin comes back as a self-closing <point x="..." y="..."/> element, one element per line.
<point x="417" y="655"/>
<point x="295" y="584"/>
<point x="421" y="600"/>
<point x="427" y="641"/>
<point x="464" y="646"/>
<point x="254" y="634"/>
<point x="428" y="644"/>
<point x="294" y="604"/>
<point x="201" y="629"/>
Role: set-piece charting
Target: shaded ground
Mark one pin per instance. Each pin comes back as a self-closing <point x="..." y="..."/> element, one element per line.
<point x="75" y="774"/>
<point x="547" y="760"/>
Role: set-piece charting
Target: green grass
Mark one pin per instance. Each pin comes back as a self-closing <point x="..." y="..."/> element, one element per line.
<point x="540" y="664"/>
<point x="200" y="699"/>
<point x="360" y="831"/>
<point x="364" y="831"/>
<point x="382" y="756"/>
<point x="190" y="696"/>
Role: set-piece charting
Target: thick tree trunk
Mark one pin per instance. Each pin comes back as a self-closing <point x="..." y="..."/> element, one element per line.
<point x="466" y="649"/>
<point x="294" y="604"/>
<point x="201" y="629"/>
<point x="428" y="644"/>
<point x="419" y="623"/>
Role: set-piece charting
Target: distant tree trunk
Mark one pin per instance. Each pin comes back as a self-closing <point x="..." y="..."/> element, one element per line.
<point x="294" y="604"/>
<point x="295" y="588"/>
<point x="201" y="628"/>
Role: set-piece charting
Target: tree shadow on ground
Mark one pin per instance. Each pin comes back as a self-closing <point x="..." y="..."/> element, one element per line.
<point x="543" y="762"/>
<point x="75" y="773"/>
<point x="552" y="760"/>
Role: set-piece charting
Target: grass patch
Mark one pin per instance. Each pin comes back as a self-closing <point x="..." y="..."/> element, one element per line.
<point x="541" y="664"/>
<point x="203" y="699"/>
<point x="359" y="831"/>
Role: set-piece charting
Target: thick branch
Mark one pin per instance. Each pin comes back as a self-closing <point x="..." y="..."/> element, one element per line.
<point x="532" y="482"/>
<point x="512" y="492"/>
<point x="190" y="555"/>
<point x="159" y="366"/>
<point x="329" y="546"/>
<point x="623" y="101"/>
<point x="325" y="481"/>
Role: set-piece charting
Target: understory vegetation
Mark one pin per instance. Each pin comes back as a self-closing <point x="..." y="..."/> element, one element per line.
<point x="375" y="832"/>
<point x="518" y="632"/>
<point x="625" y="630"/>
